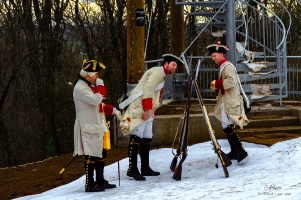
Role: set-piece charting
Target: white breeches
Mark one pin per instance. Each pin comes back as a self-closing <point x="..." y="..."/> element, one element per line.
<point x="225" y="120"/>
<point x="144" y="130"/>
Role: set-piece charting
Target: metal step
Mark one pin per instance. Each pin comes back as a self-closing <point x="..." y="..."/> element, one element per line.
<point x="246" y="77"/>
<point x="247" y="87"/>
<point x="210" y="4"/>
<point x="221" y="15"/>
<point x="272" y="64"/>
<point x="268" y="98"/>
<point x="239" y="56"/>
<point x="221" y="25"/>
<point x="265" y="99"/>
<point x="213" y="23"/>
<point x="242" y="66"/>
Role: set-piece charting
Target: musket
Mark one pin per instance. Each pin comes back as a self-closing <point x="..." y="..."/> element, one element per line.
<point x="174" y="161"/>
<point x="117" y="149"/>
<point x="182" y="148"/>
<point x="221" y="155"/>
<point x="68" y="164"/>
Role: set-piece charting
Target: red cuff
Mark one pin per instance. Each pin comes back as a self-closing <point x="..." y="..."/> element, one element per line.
<point x="102" y="90"/>
<point x="106" y="108"/>
<point x="219" y="84"/>
<point x="147" y="104"/>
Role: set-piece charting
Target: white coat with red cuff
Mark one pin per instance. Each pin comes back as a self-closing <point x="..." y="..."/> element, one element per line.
<point x="229" y="94"/>
<point x="150" y="100"/>
<point x="88" y="127"/>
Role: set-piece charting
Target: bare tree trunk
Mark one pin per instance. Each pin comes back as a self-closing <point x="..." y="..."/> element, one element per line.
<point x="4" y="147"/>
<point x="117" y="31"/>
<point x="83" y="31"/>
<point x="176" y="31"/>
<point x="158" y="34"/>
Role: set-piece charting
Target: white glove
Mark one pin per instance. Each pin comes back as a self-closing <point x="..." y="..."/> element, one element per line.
<point x="117" y="113"/>
<point x="99" y="82"/>
<point x="100" y="96"/>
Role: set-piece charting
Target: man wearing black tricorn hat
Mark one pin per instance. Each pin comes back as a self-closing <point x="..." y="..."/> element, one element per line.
<point x="90" y="125"/>
<point x="137" y="119"/>
<point x="229" y="107"/>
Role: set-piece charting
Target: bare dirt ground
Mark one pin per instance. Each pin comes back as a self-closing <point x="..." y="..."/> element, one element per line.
<point x="41" y="176"/>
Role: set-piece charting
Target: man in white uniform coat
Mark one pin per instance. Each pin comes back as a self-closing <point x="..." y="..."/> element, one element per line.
<point x="138" y="118"/>
<point x="88" y="94"/>
<point x="229" y="108"/>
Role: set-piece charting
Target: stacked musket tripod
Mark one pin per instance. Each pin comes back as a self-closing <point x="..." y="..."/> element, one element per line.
<point x="221" y="155"/>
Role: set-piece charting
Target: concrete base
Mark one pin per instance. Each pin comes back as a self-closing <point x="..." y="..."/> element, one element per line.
<point x="166" y="126"/>
<point x="123" y="141"/>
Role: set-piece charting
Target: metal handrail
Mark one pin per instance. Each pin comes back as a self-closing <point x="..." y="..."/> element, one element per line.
<point x="279" y="20"/>
<point x="219" y="10"/>
<point x="245" y="24"/>
<point x="149" y="26"/>
<point x="289" y="15"/>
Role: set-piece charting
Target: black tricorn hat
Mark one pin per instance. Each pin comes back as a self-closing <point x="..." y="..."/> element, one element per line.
<point x="92" y="66"/>
<point x="170" y="57"/>
<point x="217" y="48"/>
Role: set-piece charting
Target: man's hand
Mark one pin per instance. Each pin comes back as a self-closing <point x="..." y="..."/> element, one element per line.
<point x="117" y="113"/>
<point x="212" y="87"/>
<point x="146" y="115"/>
<point x="99" y="82"/>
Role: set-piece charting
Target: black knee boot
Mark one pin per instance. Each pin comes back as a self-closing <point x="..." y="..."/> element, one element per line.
<point x="240" y="151"/>
<point x="91" y="186"/>
<point x="232" y="155"/>
<point x="99" y="168"/>
<point x="144" y="155"/>
<point x="133" y="153"/>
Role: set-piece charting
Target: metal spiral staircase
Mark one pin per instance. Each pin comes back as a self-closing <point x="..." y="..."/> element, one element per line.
<point x="260" y="39"/>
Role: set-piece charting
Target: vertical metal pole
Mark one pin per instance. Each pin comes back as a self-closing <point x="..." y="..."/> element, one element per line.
<point x="231" y="31"/>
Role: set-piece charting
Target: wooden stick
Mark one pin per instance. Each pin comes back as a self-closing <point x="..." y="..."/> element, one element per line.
<point x="68" y="164"/>
<point x="117" y="149"/>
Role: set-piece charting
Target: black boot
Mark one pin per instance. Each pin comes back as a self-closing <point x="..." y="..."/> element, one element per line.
<point x="232" y="155"/>
<point x="133" y="153"/>
<point x="144" y="155"/>
<point x="99" y="168"/>
<point x="240" y="151"/>
<point x="91" y="186"/>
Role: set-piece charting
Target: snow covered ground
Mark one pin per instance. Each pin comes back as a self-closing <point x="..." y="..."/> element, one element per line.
<point x="268" y="173"/>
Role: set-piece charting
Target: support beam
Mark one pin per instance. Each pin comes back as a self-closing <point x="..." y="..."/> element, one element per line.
<point x="231" y="31"/>
<point x="176" y="31"/>
<point x="135" y="40"/>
